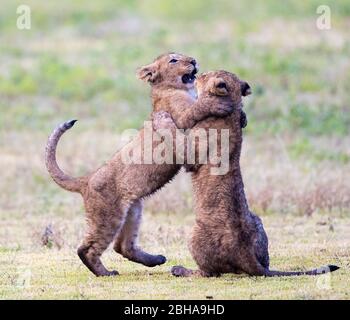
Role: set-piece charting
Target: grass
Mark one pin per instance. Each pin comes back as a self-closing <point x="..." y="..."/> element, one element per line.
<point x="58" y="274"/>
<point x="79" y="61"/>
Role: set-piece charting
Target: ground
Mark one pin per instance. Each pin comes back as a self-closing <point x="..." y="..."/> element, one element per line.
<point x="79" y="59"/>
<point x="296" y="243"/>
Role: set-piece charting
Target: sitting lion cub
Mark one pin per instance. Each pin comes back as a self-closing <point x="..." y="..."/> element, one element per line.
<point x="113" y="194"/>
<point x="227" y="236"/>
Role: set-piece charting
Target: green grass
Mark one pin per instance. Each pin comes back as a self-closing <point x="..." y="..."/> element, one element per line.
<point x="79" y="61"/>
<point x="304" y="148"/>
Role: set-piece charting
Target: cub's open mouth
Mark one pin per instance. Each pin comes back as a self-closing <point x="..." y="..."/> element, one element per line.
<point x="189" y="77"/>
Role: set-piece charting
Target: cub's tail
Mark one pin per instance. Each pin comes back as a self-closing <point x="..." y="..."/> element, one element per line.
<point x="314" y="272"/>
<point x="63" y="180"/>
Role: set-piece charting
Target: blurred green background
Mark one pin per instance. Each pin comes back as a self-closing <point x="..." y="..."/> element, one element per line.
<point x="79" y="60"/>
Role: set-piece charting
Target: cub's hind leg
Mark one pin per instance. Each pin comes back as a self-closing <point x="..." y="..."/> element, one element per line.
<point x="126" y="241"/>
<point x="103" y="224"/>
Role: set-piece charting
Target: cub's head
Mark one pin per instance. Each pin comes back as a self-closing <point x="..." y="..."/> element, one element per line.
<point x="222" y="83"/>
<point x="171" y="70"/>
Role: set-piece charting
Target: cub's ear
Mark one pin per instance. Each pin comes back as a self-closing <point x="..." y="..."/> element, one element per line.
<point x="245" y="89"/>
<point x="218" y="87"/>
<point x="147" y="73"/>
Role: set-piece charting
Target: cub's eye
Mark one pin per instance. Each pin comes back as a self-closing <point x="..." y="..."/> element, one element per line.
<point x="173" y="61"/>
<point x="221" y="85"/>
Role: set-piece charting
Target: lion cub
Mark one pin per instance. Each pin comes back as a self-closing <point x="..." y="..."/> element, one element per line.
<point x="113" y="194"/>
<point x="227" y="236"/>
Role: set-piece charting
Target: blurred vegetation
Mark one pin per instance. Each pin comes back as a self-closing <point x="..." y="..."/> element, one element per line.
<point x="79" y="60"/>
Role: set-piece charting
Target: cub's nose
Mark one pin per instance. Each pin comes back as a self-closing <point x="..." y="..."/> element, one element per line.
<point x="193" y="62"/>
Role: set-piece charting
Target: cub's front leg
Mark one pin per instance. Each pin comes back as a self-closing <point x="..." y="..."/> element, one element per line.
<point x="163" y="124"/>
<point x="187" y="116"/>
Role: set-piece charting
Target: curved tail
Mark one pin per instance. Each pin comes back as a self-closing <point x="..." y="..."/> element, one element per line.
<point x="314" y="272"/>
<point x="62" y="179"/>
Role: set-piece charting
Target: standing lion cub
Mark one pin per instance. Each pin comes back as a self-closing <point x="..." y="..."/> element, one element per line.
<point x="113" y="194"/>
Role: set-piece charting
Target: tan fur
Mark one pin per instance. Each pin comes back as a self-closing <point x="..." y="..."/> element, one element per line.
<point x="227" y="236"/>
<point x="113" y="194"/>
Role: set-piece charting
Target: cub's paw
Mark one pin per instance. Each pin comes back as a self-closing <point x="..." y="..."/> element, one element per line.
<point x="244" y="120"/>
<point x="156" y="260"/>
<point x="222" y="109"/>
<point x="108" y="274"/>
<point x="162" y="120"/>
<point x="161" y="260"/>
<point x="180" y="271"/>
